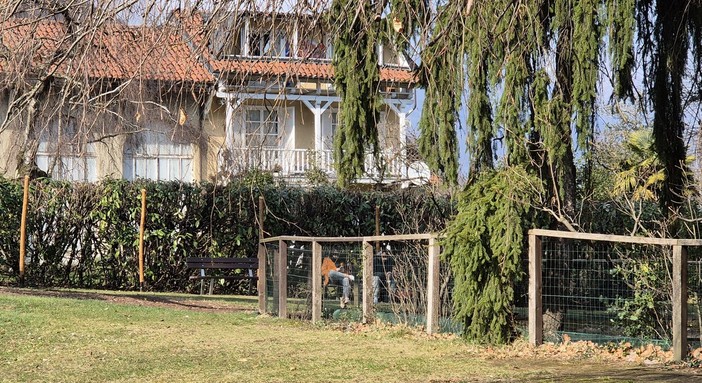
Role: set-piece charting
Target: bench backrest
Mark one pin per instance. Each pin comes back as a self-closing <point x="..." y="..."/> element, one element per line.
<point x="222" y="263"/>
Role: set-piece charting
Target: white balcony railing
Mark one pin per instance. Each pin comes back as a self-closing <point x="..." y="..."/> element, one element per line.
<point x="296" y="162"/>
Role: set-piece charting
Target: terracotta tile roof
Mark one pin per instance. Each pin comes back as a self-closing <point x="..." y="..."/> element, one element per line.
<point x="297" y="68"/>
<point x="25" y="44"/>
<point x="114" y="51"/>
<point x="167" y="53"/>
<point x="145" y="53"/>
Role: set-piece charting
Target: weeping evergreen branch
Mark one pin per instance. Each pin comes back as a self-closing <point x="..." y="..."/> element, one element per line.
<point x="621" y="24"/>
<point x="669" y="68"/>
<point x="586" y="53"/>
<point x="442" y="76"/>
<point x="357" y="78"/>
<point x="484" y="244"/>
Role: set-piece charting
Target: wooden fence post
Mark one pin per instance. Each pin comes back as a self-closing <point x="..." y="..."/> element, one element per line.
<point x="679" y="303"/>
<point x="142" y="222"/>
<point x="282" y="279"/>
<point x="261" y="216"/>
<point x="316" y="282"/>
<point x="367" y="282"/>
<point x="23" y="230"/>
<point x="433" y="287"/>
<point x="377" y="227"/>
<point x="536" y="319"/>
<point x="261" y="283"/>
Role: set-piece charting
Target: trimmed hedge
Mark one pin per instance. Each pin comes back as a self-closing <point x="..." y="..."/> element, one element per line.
<point x="86" y="235"/>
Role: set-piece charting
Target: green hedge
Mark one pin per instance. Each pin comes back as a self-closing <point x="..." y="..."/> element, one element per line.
<point x="86" y="235"/>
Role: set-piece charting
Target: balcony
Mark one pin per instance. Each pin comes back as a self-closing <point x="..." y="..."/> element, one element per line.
<point x="294" y="164"/>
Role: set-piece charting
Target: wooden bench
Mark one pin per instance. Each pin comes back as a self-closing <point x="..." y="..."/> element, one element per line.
<point x="249" y="267"/>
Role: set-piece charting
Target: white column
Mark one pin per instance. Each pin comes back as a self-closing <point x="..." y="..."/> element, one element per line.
<point x="246" y="39"/>
<point x="317" y="128"/>
<point x="295" y="39"/>
<point x="231" y="104"/>
<point x="317" y="109"/>
<point x="228" y="123"/>
<point x="402" y="116"/>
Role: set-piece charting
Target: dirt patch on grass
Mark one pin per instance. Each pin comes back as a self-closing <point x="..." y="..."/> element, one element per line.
<point x="180" y="302"/>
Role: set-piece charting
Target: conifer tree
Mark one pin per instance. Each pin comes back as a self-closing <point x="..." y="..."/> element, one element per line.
<point x="529" y="72"/>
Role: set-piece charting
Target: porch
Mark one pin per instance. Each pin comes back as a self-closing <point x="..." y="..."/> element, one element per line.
<point x="296" y="164"/>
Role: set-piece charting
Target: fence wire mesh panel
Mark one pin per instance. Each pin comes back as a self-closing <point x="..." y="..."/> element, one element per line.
<point x="606" y="291"/>
<point x="400" y="282"/>
<point x="299" y="280"/>
<point x="694" y="294"/>
<point x="271" y="285"/>
<point x="446" y="321"/>
<point x="520" y="310"/>
<point x="342" y="291"/>
<point x="397" y="287"/>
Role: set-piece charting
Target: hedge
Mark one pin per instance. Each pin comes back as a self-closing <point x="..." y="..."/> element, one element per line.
<point x="86" y="235"/>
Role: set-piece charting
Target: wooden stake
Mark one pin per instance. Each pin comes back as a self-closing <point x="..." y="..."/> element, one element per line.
<point x="261" y="210"/>
<point x="261" y="260"/>
<point x="141" y="239"/>
<point x="377" y="227"/>
<point x="23" y="230"/>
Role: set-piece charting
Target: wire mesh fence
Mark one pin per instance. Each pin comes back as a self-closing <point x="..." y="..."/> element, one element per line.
<point x="694" y="294"/>
<point x="606" y="291"/>
<point x="397" y="282"/>
<point x="615" y="289"/>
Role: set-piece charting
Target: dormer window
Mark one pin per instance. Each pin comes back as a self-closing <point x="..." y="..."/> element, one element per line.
<point x="312" y="49"/>
<point x="268" y="44"/>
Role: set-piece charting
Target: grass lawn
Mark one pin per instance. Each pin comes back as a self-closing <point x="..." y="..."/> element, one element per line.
<point x="183" y="338"/>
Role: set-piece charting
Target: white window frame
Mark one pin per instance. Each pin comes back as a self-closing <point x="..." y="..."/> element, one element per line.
<point x="153" y="155"/>
<point x="268" y="43"/>
<point x="64" y="156"/>
<point x="263" y="131"/>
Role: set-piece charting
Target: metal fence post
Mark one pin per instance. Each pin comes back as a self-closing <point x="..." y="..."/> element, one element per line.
<point x="679" y="302"/>
<point x="536" y="319"/>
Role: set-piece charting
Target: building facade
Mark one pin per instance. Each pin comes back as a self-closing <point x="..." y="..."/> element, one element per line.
<point x="187" y="102"/>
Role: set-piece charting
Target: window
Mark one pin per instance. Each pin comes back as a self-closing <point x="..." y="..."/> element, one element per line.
<point x="153" y="155"/>
<point x="312" y="49"/>
<point x="261" y="128"/>
<point x="63" y="154"/>
<point x="268" y="44"/>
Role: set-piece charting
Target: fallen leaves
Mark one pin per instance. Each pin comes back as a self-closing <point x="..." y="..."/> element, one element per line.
<point x="569" y="350"/>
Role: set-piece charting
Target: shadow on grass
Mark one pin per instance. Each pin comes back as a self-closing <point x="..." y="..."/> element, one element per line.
<point x="183" y="301"/>
<point x="626" y="374"/>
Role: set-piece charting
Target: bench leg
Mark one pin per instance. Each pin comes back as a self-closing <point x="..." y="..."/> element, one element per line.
<point x="202" y="286"/>
<point x="211" y="286"/>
